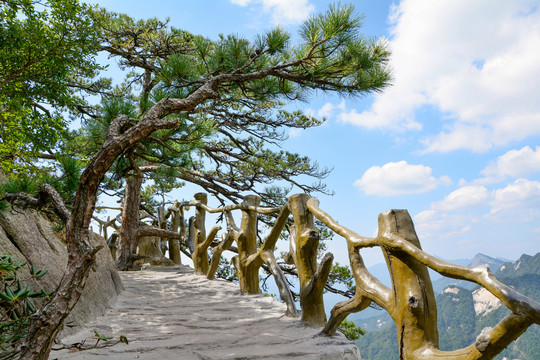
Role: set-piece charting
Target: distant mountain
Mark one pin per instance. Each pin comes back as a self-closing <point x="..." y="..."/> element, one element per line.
<point x="526" y="264"/>
<point x="463" y="313"/>
<point x="493" y="263"/>
<point x="375" y="323"/>
<point x="479" y="259"/>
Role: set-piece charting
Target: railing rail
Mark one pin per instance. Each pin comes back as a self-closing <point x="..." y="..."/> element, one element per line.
<point x="410" y="301"/>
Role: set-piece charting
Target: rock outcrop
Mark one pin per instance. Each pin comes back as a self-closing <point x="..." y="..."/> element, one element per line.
<point x="28" y="237"/>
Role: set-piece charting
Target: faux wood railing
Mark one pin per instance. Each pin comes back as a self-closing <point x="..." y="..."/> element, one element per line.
<point x="410" y="301"/>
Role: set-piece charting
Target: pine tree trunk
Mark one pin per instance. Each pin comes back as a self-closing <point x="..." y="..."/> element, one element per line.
<point x="44" y="328"/>
<point x="126" y="253"/>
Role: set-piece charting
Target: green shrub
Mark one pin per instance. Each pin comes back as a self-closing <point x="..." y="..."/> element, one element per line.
<point x="350" y="330"/>
<point x="16" y="305"/>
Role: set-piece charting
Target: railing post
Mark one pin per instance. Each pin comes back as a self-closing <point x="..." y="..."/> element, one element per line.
<point x="415" y="306"/>
<point x="246" y="239"/>
<point x="200" y="256"/>
<point x="304" y="244"/>
<point x="198" y="240"/>
<point x="174" y="247"/>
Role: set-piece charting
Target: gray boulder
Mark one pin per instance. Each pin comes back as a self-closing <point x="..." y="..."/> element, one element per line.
<point x="28" y="237"/>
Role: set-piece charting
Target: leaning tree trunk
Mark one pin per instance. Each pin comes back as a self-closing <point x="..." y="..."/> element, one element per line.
<point x="126" y="253"/>
<point x="45" y="326"/>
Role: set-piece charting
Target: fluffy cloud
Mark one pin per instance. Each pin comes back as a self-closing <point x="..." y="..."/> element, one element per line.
<point x="433" y="223"/>
<point x="473" y="217"/>
<point x="464" y="198"/>
<point x="473" y="62"/>
<point x="328" y="109"/>
<point x="283" y="12"/>
<point x="399" y="178"/>
<point x="295" y="132"/>
<point x="515" y="163"/>
<point x="519" y="201"/>
<point x="457" y="213"/>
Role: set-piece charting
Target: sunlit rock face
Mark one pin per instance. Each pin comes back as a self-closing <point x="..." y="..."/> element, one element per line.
<point x="29" y="238"/>
<point x="485" y="302"/>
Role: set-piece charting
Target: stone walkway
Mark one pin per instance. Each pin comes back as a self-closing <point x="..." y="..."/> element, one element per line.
<point x="173" y="314"/>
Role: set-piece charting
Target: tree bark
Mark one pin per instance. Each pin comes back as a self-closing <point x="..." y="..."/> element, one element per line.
<point x="281" y="282"/>
<point x="415" y="309"/>
<point x="126" y="253"/>
<point x="225" y="244"/>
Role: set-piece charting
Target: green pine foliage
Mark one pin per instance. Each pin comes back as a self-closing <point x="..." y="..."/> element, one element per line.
<point x="350" y="330"/>
<point x="64" y="177"/>
<point x="230" y="145"/>
<point x="48" y="50"/>
<point x="16" y="304"/>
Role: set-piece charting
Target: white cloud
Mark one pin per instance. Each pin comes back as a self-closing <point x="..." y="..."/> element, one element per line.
<point x="465" y="197"/>
<point x="328" y="109"/>
<point x="473" y="217"/>
<point x="515" y="163"/>
<point x="284" y="12"/>
<point x="382" y="115"/>
<point x="399" y="178"/>
<point x="241" y="2"/>
<point x="433" y="223"/>
<point x="518" y="201"/>
<point x="456" y="213"/>
<point x="475" y="62"/>
<point x="295" y="132"/>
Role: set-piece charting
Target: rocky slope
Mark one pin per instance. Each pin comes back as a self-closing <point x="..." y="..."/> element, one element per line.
<point x="29" y="238"/>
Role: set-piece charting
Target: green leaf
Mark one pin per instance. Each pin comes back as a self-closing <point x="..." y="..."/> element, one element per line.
<point x="6" y="297"/>
<point x="9" y="291"/>
<point x="124" y="340"/>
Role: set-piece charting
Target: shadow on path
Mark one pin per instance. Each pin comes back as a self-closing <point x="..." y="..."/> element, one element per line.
<point x="169" y="313"/>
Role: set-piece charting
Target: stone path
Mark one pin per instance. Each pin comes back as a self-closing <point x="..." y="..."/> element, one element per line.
<point x="173" y="314"/>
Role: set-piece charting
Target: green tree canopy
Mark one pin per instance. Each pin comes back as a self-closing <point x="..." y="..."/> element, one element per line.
<point x="47" y="59"/>
<point x="231" y="143"/>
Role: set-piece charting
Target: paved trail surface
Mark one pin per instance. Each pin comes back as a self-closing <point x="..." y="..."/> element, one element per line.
<point x="173" y="314"/>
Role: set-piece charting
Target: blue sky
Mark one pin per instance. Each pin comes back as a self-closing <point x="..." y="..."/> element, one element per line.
<point x="455" y="140"/>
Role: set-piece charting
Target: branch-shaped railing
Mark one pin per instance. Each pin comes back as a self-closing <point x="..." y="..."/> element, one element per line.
<point x="410" y="301"/>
